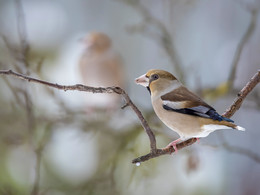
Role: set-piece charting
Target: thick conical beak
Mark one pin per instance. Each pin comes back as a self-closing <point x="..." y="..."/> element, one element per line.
<point x="142" y="80"/>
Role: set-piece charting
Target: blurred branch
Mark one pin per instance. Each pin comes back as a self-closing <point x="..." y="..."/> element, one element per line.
<point x="29" y="112"/>
<point x="35" y="188"/>
<point x="12" y="51"/>
<point x="21" y="28"/>
<point x="243" y="151"/>
<point x="38" y="151"/>
<point x="239" y="150"/>
<point x="20" y="53"/>
<point x="21" y="64"/>
<point x="14" y="91"/>
<point x="156" y="30"/>
<point x="154" y="151"/>
<point x="241" y="44"/>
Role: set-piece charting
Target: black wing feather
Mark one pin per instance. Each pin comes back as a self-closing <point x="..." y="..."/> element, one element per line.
<point x="211" y="113"/>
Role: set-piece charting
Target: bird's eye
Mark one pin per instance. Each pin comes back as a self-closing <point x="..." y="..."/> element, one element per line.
<point x="155" y="77"/>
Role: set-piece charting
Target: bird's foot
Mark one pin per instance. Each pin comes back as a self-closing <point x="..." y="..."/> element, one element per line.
<point x="173" y="144"/>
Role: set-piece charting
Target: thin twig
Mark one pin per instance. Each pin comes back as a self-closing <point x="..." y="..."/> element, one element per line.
<point x="79" y="87"/>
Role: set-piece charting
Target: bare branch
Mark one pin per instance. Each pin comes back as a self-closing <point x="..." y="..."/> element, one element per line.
<point x="164" y="151"/>
<point x="242" y="95"/>
<point x="154" y="151"/>
<point x="79" y="87"/>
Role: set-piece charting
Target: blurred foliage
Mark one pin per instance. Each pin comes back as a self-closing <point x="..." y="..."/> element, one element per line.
<point x="215" y="93"/>
<point x="31" y="117"/>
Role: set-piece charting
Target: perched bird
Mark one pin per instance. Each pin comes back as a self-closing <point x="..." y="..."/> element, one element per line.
<point x="101" y="66"/>
<point x="180" y="109"/>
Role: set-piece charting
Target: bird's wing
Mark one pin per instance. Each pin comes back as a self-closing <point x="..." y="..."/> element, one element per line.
<point x="183" y="101"/>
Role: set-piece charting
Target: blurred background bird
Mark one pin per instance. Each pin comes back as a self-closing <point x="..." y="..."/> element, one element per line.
<point x="101" y="66"/>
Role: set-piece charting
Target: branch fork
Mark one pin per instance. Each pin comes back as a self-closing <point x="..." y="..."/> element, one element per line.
<point x="154" y="152"/>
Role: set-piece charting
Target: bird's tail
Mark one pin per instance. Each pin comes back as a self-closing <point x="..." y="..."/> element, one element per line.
<point x="234" y="126"/>
<point x="230" y="125"/>
<point x="240" y="128"/>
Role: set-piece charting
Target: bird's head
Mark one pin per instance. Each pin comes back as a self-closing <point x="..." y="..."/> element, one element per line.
<point x="97" y="41"/>
<point x="157" y="81"/>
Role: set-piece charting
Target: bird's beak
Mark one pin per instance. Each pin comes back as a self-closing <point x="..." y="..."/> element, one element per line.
<point x="142" y="80"/>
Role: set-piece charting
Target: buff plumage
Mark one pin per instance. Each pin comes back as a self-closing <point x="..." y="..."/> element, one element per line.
<point x="180" y="109"/>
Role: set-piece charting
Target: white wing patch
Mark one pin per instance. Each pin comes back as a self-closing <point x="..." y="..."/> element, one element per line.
<point x="174" y="105"/>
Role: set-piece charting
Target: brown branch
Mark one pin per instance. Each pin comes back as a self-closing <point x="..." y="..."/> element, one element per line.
<point x="242" y="95"/>
<point x="154" y="151"/>
<point x="160" y="152"/>
<point x="79" y="87"/>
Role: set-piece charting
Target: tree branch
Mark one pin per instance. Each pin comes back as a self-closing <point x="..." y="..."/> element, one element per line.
<point x="154" y="151"/>
<point x="79" y="87"/>
<point x="242" y="95"/>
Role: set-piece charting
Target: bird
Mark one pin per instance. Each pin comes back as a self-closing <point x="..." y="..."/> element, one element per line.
<point x="101" y="66"/>
<point x="180" y="109"/>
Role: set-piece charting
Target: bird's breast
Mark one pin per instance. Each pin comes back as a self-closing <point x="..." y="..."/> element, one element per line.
<point x="185" y="125"/>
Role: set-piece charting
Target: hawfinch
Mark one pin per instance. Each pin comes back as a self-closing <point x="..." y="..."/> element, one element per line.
<point x="101" y="66"/>
<point x="180" y="109"/>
